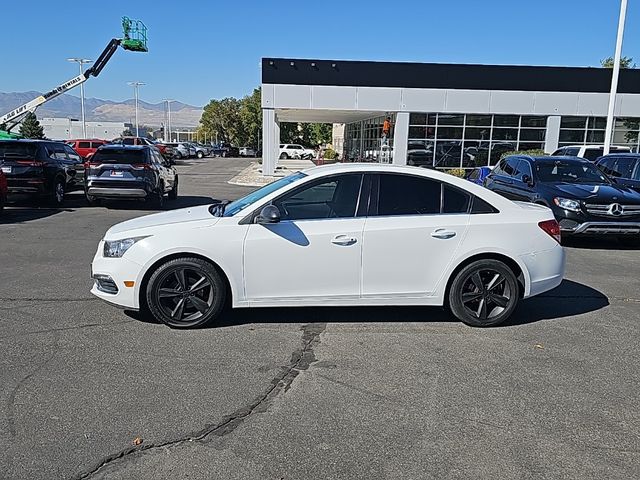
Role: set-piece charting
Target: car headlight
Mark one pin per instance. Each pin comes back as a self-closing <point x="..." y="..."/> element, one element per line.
<point x="117" y="248"/>
<point x="567" y="204"/>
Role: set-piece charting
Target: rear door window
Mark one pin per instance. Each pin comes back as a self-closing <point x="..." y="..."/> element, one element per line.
<point x="84" y="144"/>
<point x="59" y="152"/>
<point x="128" y="141"/>
<point x="593" y="153"/>
<point x="408" y="195"/>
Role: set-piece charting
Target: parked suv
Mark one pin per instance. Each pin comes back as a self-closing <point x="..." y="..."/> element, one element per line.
<point x="583" y="199"/>
<point x="162" y="147"/>
<point x="295" y="151"/>
<point x="590" y="152"/>
<point x="201" y="150"/>
<point x="86" y="148"/>
<point x="180" y="150"/>
<point x="121" y="171"/>
<point x="41" y="168"/>
<point x="622" y="168"/>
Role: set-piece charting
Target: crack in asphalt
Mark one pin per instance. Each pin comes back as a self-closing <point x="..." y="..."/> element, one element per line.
<point x="301" y="359"/>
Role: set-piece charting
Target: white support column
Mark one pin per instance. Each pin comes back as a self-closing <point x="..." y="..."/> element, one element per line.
<point x="400" y="138"/>
<point x="552" y="135"/>
<point x="270" y="141"/>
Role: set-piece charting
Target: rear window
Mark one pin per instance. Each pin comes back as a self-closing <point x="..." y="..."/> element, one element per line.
<point x="9" y="150"/>
<point x="120" y="156"/>
<point x="96" y="144"/>
<point x="593" y="153"/>
<point x="84" y="144"/>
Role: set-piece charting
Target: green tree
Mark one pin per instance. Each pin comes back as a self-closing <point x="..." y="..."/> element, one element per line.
<point x="625" y="62"/>
<point x="30" y="127"/>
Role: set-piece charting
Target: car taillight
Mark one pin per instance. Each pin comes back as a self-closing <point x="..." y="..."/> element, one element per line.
<point x="91" y="164"/>
<point x="141" y="166"/>
<point x="552" y="228"/>
<point x="30" y="163"/>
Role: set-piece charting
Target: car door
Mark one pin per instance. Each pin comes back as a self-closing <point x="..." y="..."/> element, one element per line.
<point x="501" y="179"/>
<point x="166" y="174"/>
<point x="314" y="251"/>
<point x="521" y="186"/>
<point x="413" y="230"/>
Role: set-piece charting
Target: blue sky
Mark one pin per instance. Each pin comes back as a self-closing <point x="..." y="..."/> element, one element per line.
<point x="201" y="49"/>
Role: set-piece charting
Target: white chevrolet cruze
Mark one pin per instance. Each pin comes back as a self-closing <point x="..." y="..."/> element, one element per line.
<point x="350" y="234"/>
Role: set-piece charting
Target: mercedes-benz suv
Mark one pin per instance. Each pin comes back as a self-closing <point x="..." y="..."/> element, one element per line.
<point x="582" y="198"/>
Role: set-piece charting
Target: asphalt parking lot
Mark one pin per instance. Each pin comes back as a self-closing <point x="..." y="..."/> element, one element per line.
<point x="306" y="393"/>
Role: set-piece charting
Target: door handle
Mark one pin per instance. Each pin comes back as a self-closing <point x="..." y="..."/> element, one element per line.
<point x="443" y="233"/>
<point x="343" y="240"/>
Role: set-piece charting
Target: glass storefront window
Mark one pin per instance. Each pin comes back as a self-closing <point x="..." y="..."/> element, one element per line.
<point x="450" y="119"/>
<point x="477" y="133"/>
<point x="506" y="120"/>
<point x="530" y="121"/>
<point x="597" y="122"/>
<point x="417" y="132"/>
<point x="532" y="134"/>
<point x="573" y="122"/>
<point x="505" y="134"/>
<point x="480" y="120"/>
<point x="449" y="133"/>
<point x="417" y="119"/>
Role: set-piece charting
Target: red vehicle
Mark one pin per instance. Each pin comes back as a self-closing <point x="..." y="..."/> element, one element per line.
<point x="86" y="147"/>
<point x="165" y="150"/>
<point x="3" y="190"/>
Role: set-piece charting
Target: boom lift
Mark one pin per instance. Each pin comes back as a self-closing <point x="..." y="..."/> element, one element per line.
<point x="134" y="39"/>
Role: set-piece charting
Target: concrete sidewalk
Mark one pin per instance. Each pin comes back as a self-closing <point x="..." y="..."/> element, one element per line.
<point x="252" y="175"/>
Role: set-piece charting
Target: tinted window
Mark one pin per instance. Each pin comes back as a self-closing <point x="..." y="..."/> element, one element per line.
<point x="408" y="195"/>
<point x="84" y="144"/>
<point x="59" y="151"/>
<point x="569" y="172"/>
<point x="455" y="200"/>
<point x="96" y="144"/>
<point x="480" y="206"/>
<point x="335" y="197"/>
<point x="242" y="203"/>
<point x="128" y="141"/>
<point x="72" y="154"/>
<point x="499" y="169"/>
<point x="523" y="169"/>
<point x="18" y="150"/>
<point x="119" y="156"/>
<point x="593" y="153"/>
<point x="572" y="152"/>
<point x="511" y="167"/>
<point x="474" y="175"/>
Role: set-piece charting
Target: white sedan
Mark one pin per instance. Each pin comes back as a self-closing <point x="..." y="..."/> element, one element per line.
<point x="344" y="234"/>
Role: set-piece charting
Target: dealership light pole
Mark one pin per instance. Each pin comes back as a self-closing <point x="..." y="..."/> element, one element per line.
<point x="168" y="117"/>
<point x="81" y="62"/>
<point x="135" y="86"/>
<point x="614" y="78"/>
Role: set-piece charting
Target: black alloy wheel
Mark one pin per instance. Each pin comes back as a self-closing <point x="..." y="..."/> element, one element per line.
<point x="57" y="194"/>
<point x="185" y="293"/>
<point x="484" y="293"/>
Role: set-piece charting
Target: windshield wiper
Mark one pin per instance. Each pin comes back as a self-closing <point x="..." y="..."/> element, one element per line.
<point x="217" y="210"/>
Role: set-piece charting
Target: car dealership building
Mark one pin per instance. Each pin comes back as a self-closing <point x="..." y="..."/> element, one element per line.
<point x="455" y="115"/>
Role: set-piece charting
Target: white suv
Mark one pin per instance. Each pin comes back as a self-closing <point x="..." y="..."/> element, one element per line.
<point x="590" y="152"/>
<point x="288" y="150"/>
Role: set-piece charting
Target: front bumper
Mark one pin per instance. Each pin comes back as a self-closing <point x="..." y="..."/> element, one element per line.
<point x="581" y="223"/>
<point x="116" y="270"/>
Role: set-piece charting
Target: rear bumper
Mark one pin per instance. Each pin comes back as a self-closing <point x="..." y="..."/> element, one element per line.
<point x="546" y="269"/>
<point x="26" y="185"/>
<point x="109" y="192"/>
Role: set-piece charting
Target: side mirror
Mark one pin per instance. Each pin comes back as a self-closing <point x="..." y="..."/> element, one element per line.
<point x="268" y="214"/>
<point x="527" y="179"/>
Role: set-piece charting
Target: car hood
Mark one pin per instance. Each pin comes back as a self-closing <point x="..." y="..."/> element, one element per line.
<point x="600" y="193"/>
<point x="149" y="222"/>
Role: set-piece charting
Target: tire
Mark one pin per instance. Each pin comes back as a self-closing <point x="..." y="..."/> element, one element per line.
<point x="200" y="155"/>
<point x="3" y="201"/>
<point x="57" y="193"/>
<point x="173" y="193"/>
<point x="172" y="299"/>
<point x="630" y="241"/>
<point x="476" y="286"/>
<point x="177" y="155"/>
<point x="284" y="156"/>
<point x="157" y="197"/>
<point x="224" y="154"/>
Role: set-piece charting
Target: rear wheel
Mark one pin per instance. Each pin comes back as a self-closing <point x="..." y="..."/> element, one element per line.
<point x="186" y="293"/>
<point x="200" y="154"/>
<point x="284" y="156"/>
<point x="484" y="293"/>
<point x="57" y="194"/>
<point x="157" y="197"/>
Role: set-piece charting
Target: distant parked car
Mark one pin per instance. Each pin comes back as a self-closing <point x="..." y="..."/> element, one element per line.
<point x="200" y="150"/>
<point x="288" y="150"/>
<point x="418" y="155"/>
<point x="478" y="174"/>
<point x="41" y="168"/>
<point x="582" y="198"/>
<point x="4" y="190"/>
<point x="122" y="171"/>
<point x="225" y="150"/>
<point x="180" y="150"/>
<point x="590" y="152"/>
<point x="247" y="152"/>
<point x="86" y="147"/>
<point x="622" y="168"/>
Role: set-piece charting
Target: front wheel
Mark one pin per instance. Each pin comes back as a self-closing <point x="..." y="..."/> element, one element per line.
<point x="484" y="293"/>
<point x="200" y="155"/>
<point x="173" y="193"/>
<point x="186" y="293"/>
<point x="57" y="194"/>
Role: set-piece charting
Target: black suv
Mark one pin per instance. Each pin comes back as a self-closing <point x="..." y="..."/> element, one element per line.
<point x="623" y="169"/>
<point x="122" y="171"/>
<point x="41" y="168"/>
<point x="583" y="199"/>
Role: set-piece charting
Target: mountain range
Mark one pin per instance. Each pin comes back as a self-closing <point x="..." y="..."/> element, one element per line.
<point x="64" y="106"/>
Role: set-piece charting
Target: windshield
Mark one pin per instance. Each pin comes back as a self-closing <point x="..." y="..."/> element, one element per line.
<point x="569" y="172"/>
<point x="17" y="150"/>
<point x="242" y="203"/>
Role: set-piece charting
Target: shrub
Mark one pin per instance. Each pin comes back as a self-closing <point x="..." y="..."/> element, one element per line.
<point x="533" y="153"/>
<point x="456" y="172"/>
<point x="330" y="154"/>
